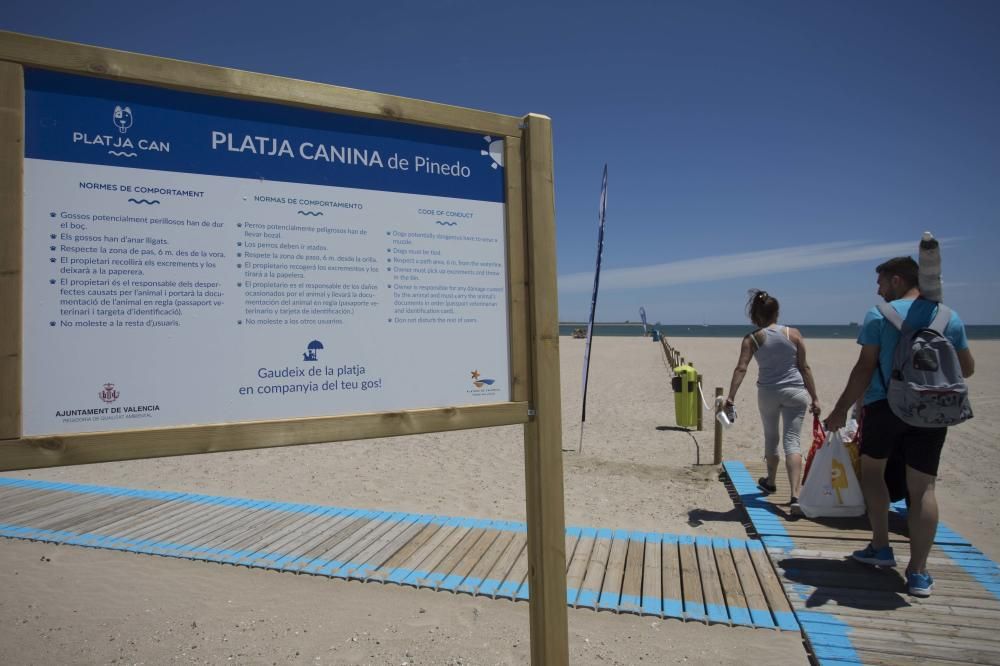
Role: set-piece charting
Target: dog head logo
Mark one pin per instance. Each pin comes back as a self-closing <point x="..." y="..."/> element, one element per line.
<point x="122" y="118"/>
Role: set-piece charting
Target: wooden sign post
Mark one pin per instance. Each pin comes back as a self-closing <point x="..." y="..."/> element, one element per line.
<point x="196" y="259"/>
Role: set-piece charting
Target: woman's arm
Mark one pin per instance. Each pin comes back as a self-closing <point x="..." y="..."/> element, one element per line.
<point x="746" y="352"/>
<point x="807" y="375"/>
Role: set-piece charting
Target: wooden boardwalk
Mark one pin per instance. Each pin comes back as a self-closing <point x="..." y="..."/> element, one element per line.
<point x="717" y="580"/>
<point x="851" y="613"/>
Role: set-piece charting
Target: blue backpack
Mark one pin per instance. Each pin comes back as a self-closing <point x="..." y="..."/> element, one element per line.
<point x="926" y="388"/>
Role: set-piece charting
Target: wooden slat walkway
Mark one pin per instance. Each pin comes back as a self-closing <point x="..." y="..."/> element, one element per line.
<point x="851" y="613"/>
<point x="717" y="580"/>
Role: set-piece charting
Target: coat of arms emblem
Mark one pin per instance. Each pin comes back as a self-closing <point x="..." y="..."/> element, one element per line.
<point x="109" y="393"/>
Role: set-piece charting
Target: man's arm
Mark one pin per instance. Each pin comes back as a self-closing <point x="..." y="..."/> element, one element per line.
<point x="967" y="362"/>
<point x="958" y="337"/>
<point x="860" y="377"/>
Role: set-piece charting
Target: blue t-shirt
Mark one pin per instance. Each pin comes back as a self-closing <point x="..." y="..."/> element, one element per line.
<point x="877" y="331"/>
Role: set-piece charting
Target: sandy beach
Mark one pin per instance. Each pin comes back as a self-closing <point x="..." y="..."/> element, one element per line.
<point x="71" y="605"/>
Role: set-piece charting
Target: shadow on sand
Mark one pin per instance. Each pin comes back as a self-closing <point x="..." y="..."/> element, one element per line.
<point x="698" y="517"/>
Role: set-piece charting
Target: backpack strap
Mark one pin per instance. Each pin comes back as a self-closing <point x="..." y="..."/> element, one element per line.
<point x="941" y="319"/>
<point x="896" y="320"/>
<point x="891" y="315"/>
<point x="940" y="322"/>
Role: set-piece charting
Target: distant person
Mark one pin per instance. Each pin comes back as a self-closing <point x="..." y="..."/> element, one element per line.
<point x="785" y="389"/>
<point x="883" y="433"/>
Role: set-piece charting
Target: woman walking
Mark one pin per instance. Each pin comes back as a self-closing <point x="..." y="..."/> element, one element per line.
<point x="785" y="389"/>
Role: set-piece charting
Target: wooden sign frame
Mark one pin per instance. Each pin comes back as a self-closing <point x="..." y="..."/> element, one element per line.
<point x="531" y="288"/>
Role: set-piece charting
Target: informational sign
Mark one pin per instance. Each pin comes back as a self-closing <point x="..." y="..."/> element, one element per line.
<point x="193" y="259"/>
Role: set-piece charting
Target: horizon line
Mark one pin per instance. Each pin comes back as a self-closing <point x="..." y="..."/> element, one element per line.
<point x="791" y="259"/>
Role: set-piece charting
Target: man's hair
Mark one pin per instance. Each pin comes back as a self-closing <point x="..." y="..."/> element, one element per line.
<point x="904" y="267"/>
<point x="762" y="308"/>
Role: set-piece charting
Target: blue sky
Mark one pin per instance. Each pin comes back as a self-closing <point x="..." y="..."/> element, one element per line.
<point x="785" y="145"/>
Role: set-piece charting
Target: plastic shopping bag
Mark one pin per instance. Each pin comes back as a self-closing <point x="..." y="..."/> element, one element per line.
<point x="852" y="439"/>
<point x="832" y="488"/>
<point x="854" y="449"/>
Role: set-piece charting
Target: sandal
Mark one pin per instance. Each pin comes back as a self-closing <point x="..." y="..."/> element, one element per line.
<point x="768" y="488"/>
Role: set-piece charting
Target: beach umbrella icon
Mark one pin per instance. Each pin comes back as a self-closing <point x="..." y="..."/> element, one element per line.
<point x="311" y="348"/>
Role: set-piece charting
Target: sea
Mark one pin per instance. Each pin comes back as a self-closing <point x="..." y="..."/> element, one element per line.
<point x="828" y="331"/>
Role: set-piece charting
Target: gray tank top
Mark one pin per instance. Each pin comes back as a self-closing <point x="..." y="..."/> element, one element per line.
<point x="777" y="359"/>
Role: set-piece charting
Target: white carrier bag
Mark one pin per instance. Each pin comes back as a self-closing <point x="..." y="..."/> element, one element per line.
<point x="832" y="488"/>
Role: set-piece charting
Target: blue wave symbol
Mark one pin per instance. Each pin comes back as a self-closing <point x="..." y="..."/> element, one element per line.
<point x="122" y="154"/>
<point x="305" y="212"/>
<point x="447" y="224"/>
<point x="145" y="201"/>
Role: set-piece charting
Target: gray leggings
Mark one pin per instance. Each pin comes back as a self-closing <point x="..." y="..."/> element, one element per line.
<point x="789" y="403"/>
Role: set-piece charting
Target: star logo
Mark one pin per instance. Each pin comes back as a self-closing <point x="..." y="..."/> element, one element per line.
<point x="475" y="374"/>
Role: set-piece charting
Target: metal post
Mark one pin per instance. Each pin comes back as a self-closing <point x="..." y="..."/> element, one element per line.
<point x="717" y="459"/>
<point x="701" y="426"/>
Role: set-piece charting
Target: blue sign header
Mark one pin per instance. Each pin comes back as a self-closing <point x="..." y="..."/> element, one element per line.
<point x="89" y="120"/>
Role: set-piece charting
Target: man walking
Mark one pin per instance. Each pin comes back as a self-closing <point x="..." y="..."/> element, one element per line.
<point x="882" y="432"/>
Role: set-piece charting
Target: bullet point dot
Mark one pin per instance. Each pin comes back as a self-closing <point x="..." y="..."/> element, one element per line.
<point x="52" y="247"/>
<point x="52" y="323"/>
<point x="239" y="284"/>
<point x="239" y="265"/>
<point x="52" y="281"/>
<point x="388" y="269"/>
<point x="239" y="254"/>
<point x="238" y="224"/>
<point x="53" y="260"/>
<point x="239" y="244"/>
<point x="52" y="214"/>
<point x="240" y="321"/>
<point x="52" y="236"/>
<point x="388" y="233"/>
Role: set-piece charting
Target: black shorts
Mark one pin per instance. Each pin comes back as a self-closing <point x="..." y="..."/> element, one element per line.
<point x="884" y="434"/>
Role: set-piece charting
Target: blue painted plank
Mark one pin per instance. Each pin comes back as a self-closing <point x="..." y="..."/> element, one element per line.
<point x="630" y="603"/>
<point x="762" y="618"/>
<point x="841" y="655"/>
<point x="652" y="605"/>
<point x="587" y="599"/>
<point x="508" y="589"/>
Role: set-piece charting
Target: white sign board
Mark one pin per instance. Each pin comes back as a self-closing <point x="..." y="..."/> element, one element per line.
<point x="191" y="259"/>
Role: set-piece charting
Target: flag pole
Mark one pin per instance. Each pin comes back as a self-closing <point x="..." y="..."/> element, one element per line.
<point x="593" y="299"/>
